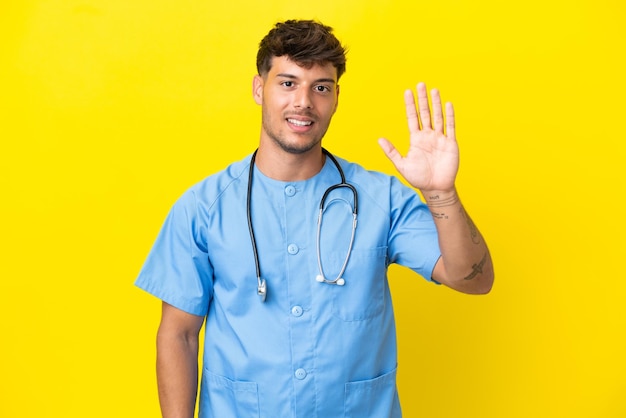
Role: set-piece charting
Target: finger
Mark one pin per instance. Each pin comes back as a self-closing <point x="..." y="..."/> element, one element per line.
<point x="422" y="103"/>
<point x="450" y="130"/>
<point x="390" y="151"/>
<point x="411" y="111"/>
<point x="437" y="111"/>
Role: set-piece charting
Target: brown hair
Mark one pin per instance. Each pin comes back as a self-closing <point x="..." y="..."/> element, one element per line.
<point x="306" y="42"/>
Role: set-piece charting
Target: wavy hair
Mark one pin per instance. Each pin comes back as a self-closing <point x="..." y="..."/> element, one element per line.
<point x="305" y="42"/>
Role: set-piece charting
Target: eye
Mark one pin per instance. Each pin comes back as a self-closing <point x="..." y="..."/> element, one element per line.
<point x="322" y="89"/>
<point x="287" y="83"/>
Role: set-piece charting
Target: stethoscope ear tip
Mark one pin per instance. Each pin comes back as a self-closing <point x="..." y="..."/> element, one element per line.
<point x="321" y="279"/>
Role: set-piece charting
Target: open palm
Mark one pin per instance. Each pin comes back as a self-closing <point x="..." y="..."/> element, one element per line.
<point x="432" y="161"/>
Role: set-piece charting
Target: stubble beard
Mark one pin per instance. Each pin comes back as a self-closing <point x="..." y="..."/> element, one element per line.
<point x="293" y="147"/>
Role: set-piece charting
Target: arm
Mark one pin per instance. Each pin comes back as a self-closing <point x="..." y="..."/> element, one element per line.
<point x="465" y="264"/>
<point x="177" y="362"/>
<point x="431" y="165"/>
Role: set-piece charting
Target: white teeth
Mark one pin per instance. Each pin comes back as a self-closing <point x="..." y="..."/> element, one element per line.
<point x="299" y="122"/>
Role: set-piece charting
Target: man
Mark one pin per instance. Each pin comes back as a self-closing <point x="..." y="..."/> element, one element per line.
<point x="298" y="313"/>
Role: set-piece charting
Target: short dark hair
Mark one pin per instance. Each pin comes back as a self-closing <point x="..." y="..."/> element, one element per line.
<point x="305" y="42"/>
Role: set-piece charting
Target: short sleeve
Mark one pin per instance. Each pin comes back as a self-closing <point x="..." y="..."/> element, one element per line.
<point x="177" y="269"/>
<point x="413" y="239"/>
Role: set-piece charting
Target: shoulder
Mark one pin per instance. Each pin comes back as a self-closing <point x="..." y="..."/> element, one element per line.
<point x="203" y="203"/>
<point x="213" y="187"/>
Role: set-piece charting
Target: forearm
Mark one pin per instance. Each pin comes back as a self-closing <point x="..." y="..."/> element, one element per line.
<point x="466" y="262"/>
<point x="177" y="374"/>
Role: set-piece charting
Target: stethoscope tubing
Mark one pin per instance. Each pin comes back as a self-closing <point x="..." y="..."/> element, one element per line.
<point x="261" y="284"/>
<point x="339" y="280"/>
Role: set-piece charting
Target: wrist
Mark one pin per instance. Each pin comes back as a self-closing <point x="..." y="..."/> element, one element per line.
<point x="440" y="198"/>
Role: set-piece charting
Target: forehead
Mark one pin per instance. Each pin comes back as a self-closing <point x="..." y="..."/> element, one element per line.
<point x="283" y="66"/>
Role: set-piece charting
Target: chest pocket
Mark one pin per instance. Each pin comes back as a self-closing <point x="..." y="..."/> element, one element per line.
<point x="364" y="294"/>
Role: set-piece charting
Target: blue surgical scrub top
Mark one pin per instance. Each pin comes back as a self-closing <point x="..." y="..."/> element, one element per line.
<point x="311" y="349"/>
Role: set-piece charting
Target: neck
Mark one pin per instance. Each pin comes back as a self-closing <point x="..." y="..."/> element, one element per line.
<point x="284" y="166"/>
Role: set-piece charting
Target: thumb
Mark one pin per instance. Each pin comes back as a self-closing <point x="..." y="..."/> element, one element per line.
<point x="390" y="151"/>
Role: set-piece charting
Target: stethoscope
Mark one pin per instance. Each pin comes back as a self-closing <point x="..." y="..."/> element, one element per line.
<point x="321" y="277"/>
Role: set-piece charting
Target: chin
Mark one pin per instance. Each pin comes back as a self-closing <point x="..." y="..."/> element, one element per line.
<point x="297" y="148"/>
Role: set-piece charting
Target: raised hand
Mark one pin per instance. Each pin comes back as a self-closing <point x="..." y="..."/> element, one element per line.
<point x="432" y="161"/>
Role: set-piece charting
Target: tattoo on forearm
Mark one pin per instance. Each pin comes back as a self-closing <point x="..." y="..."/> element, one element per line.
<point x="477" y="268"/>
<point x="472" y="227"/>
<point x="435" y="202"/>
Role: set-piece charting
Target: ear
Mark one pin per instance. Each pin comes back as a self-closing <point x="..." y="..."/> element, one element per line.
<point x="336" y="98"/>
<point x="257" y="89"/>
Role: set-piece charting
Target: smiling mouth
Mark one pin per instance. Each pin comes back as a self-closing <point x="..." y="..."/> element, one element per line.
<point x="300" y="122"/>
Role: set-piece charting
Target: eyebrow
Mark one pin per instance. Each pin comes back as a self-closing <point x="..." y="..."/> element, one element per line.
<point x="319" y="80"/>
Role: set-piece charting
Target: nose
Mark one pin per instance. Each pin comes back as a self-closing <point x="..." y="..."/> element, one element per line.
<point x="302" y="99"/>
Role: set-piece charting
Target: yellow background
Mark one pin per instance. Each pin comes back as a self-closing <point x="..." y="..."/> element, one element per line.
<point x="110" y="109"/>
